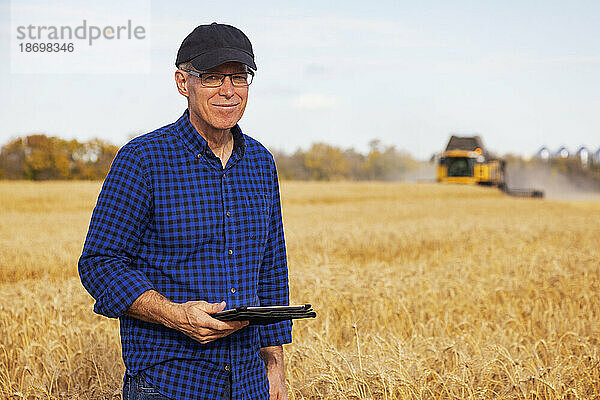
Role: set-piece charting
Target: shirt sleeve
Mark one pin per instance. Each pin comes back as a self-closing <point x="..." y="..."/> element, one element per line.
<point x="117" y="225"/>
<point x="273" y="282"/>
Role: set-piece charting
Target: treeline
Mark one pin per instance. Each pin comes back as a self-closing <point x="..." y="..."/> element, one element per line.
<point x="325" y="162"/>
<point x="41" y="157"/>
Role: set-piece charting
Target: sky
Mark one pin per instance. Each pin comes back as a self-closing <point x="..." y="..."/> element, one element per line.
<point x="521" y="74"/>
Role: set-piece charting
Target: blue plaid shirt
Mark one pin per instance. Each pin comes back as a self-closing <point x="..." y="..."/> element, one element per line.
<point x="171" y="218"/>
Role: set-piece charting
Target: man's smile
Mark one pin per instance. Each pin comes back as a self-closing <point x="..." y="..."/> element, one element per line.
<point x="226" y="105"/>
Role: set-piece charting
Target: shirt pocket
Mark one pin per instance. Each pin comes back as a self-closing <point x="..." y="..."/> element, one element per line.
<point x="256" y="215"/>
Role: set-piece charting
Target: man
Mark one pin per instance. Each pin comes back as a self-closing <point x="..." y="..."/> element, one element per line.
<point x="188" y="223"/>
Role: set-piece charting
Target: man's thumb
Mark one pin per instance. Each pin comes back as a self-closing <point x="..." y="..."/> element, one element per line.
<point x="216" y="307"/>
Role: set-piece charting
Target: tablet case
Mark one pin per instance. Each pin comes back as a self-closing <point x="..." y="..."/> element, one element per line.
<point x="266" y="315"/>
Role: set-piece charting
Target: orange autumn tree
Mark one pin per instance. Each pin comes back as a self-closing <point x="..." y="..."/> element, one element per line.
<point x="41" y="157"/>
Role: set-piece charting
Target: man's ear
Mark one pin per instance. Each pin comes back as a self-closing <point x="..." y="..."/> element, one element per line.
<point x="182" y="82"/>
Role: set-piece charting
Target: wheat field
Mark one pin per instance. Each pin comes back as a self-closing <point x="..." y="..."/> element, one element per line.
<point x="423" y="291"/>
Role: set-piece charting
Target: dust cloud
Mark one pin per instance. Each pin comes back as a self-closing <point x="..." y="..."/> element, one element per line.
<point x="423" y="172"/>
<point x="556" y="185"/>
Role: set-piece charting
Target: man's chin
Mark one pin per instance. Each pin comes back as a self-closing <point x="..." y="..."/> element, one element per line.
<point x="215" y="121"/>
<point x="225" y="123"/>
<point x="228" y="125"/>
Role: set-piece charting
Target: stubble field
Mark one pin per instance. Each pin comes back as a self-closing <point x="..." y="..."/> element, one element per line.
<point x="422" y="291"/>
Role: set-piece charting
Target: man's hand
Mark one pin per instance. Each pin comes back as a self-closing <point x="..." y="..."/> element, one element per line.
<point x="273" y="358"/>
<point x="195" y="321"/>
<point x="192" y="318"/>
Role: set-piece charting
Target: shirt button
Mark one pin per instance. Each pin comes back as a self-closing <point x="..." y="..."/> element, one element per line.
<point x="232" y="290"/>
<point x="208" y="152"/>
<point x="198" y="155"/>
<point x="227" y="367"/>
<point x="228" y="214"/>
<point x="230" y="251"/>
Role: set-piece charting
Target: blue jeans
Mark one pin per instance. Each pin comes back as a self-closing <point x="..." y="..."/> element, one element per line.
<point x="136" y="388"/>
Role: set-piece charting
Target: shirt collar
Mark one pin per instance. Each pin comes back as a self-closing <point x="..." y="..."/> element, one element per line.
<point x="198" y="144"/>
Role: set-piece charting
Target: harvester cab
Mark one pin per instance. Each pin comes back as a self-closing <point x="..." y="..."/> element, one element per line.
<point x="467" y="161"/>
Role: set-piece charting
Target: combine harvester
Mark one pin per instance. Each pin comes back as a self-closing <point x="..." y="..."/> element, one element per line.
<point x="466" y="161"/>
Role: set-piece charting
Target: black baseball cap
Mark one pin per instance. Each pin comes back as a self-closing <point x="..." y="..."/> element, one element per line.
<point x="211" y="45"/>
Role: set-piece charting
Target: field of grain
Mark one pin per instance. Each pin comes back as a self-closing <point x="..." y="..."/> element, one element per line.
<point x="422" y="291"/>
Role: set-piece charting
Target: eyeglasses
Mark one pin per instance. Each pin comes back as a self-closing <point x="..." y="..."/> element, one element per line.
<point x="216" y="79"/>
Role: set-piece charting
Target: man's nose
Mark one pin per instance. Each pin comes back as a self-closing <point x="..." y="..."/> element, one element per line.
<point x="227" y="88"/>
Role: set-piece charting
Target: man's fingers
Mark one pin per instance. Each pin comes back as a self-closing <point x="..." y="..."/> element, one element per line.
<point x="203" y="339"/>
<point x="220" y="332"/>
<point x="215" y="324"/>
<point x="209" y="335"/>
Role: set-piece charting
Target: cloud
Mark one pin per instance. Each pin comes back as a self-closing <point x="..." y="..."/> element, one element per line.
<point x="316" y="70"/>
<point x="495" y="63"/>
<point x="314" y="101"/>
<point x="338" y="31"/>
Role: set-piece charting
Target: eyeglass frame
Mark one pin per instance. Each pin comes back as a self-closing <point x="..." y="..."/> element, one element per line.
<point x="198" y="74"/>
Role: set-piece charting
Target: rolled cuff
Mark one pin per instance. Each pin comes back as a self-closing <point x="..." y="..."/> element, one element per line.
<point x="121" y="294"/>
<point x="276" y="334"/>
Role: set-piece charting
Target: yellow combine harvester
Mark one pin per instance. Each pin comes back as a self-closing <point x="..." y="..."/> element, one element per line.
<point x="467" y="161"/>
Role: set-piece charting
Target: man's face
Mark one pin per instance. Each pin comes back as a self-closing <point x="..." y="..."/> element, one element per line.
<point x="216" y="108"/>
